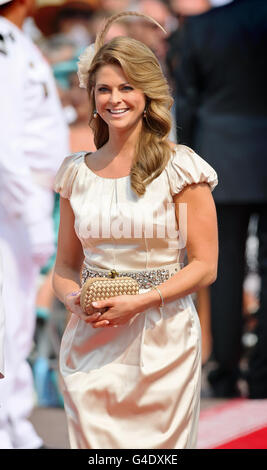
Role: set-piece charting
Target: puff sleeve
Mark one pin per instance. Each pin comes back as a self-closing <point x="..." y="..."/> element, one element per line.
<point x="187" y="167"/>
<point x="67" y="173"/>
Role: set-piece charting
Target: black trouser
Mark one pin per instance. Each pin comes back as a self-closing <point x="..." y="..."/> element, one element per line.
<point x="227" y="300"/>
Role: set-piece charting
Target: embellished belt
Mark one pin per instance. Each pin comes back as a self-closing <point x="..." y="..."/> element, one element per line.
<point x="145" y="279"/>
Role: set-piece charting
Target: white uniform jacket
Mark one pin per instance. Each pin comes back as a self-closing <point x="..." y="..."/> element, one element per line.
<point x="34" y="136"/>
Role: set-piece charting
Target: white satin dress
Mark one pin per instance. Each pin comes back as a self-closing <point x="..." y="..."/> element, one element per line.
<point x="136" y="386"/>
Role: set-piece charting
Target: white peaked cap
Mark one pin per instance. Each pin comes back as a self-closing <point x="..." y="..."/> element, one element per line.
<point x="2" y="2"/>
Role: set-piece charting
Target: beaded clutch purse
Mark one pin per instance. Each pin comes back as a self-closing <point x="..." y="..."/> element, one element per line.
<point x="101" y="288"/>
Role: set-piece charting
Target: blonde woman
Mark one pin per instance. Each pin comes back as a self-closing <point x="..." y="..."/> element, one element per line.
<point x="131" y="368"/>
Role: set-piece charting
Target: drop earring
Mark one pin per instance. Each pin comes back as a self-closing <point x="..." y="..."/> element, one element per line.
<point x="95" y="114"/>
<point x="144" y="113"/>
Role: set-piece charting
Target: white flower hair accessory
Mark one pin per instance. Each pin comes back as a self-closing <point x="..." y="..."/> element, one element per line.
<point x="84" y="65"/>
<point x="86" y="58"/>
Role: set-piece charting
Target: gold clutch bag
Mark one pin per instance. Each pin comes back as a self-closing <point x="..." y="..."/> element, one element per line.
<point x="101" y="288"/>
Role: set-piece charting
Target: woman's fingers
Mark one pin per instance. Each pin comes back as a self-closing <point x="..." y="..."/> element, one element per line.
<point x="93" y="317"/>
<point x="101" y="324"/>
<point x="90" y="316"/>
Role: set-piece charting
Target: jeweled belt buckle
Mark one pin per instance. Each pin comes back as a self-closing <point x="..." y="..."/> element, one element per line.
<point x="113" y="273"/>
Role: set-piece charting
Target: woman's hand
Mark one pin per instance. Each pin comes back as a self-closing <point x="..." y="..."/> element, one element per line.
<point x="117" y="310"/>
<point x="72" y="304"/>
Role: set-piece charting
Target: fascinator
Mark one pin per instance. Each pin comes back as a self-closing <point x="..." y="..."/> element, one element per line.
<point x="87" y="57"/>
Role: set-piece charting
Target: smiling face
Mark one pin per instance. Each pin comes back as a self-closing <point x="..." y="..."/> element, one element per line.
<point x="118" y="103"/>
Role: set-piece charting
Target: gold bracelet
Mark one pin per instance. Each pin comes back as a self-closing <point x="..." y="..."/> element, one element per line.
<point x="161" y="296"/>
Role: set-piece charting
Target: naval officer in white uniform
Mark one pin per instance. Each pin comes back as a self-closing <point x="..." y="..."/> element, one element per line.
<point x="33" y="142"/>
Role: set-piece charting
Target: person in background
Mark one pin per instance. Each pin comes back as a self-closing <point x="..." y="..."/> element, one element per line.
<point x="152" y="36"/>
<point x="66" y="28"/>
<point x="221" y="113"/>
<point x="180" y="10"/>
<point x="34" y="140"/>
<point x="68" y="17"/>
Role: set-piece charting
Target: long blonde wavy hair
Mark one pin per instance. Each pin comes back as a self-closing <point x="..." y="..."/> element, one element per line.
<point x="143" y="71"/>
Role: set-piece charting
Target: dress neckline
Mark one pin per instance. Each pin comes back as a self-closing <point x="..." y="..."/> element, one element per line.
<point x="106" y="177"/>
<point x="101" y="177"/>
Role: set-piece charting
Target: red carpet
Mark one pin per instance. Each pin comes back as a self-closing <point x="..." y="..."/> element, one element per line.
<point x="237" y="424"/>
<point x="253" y="440"/>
